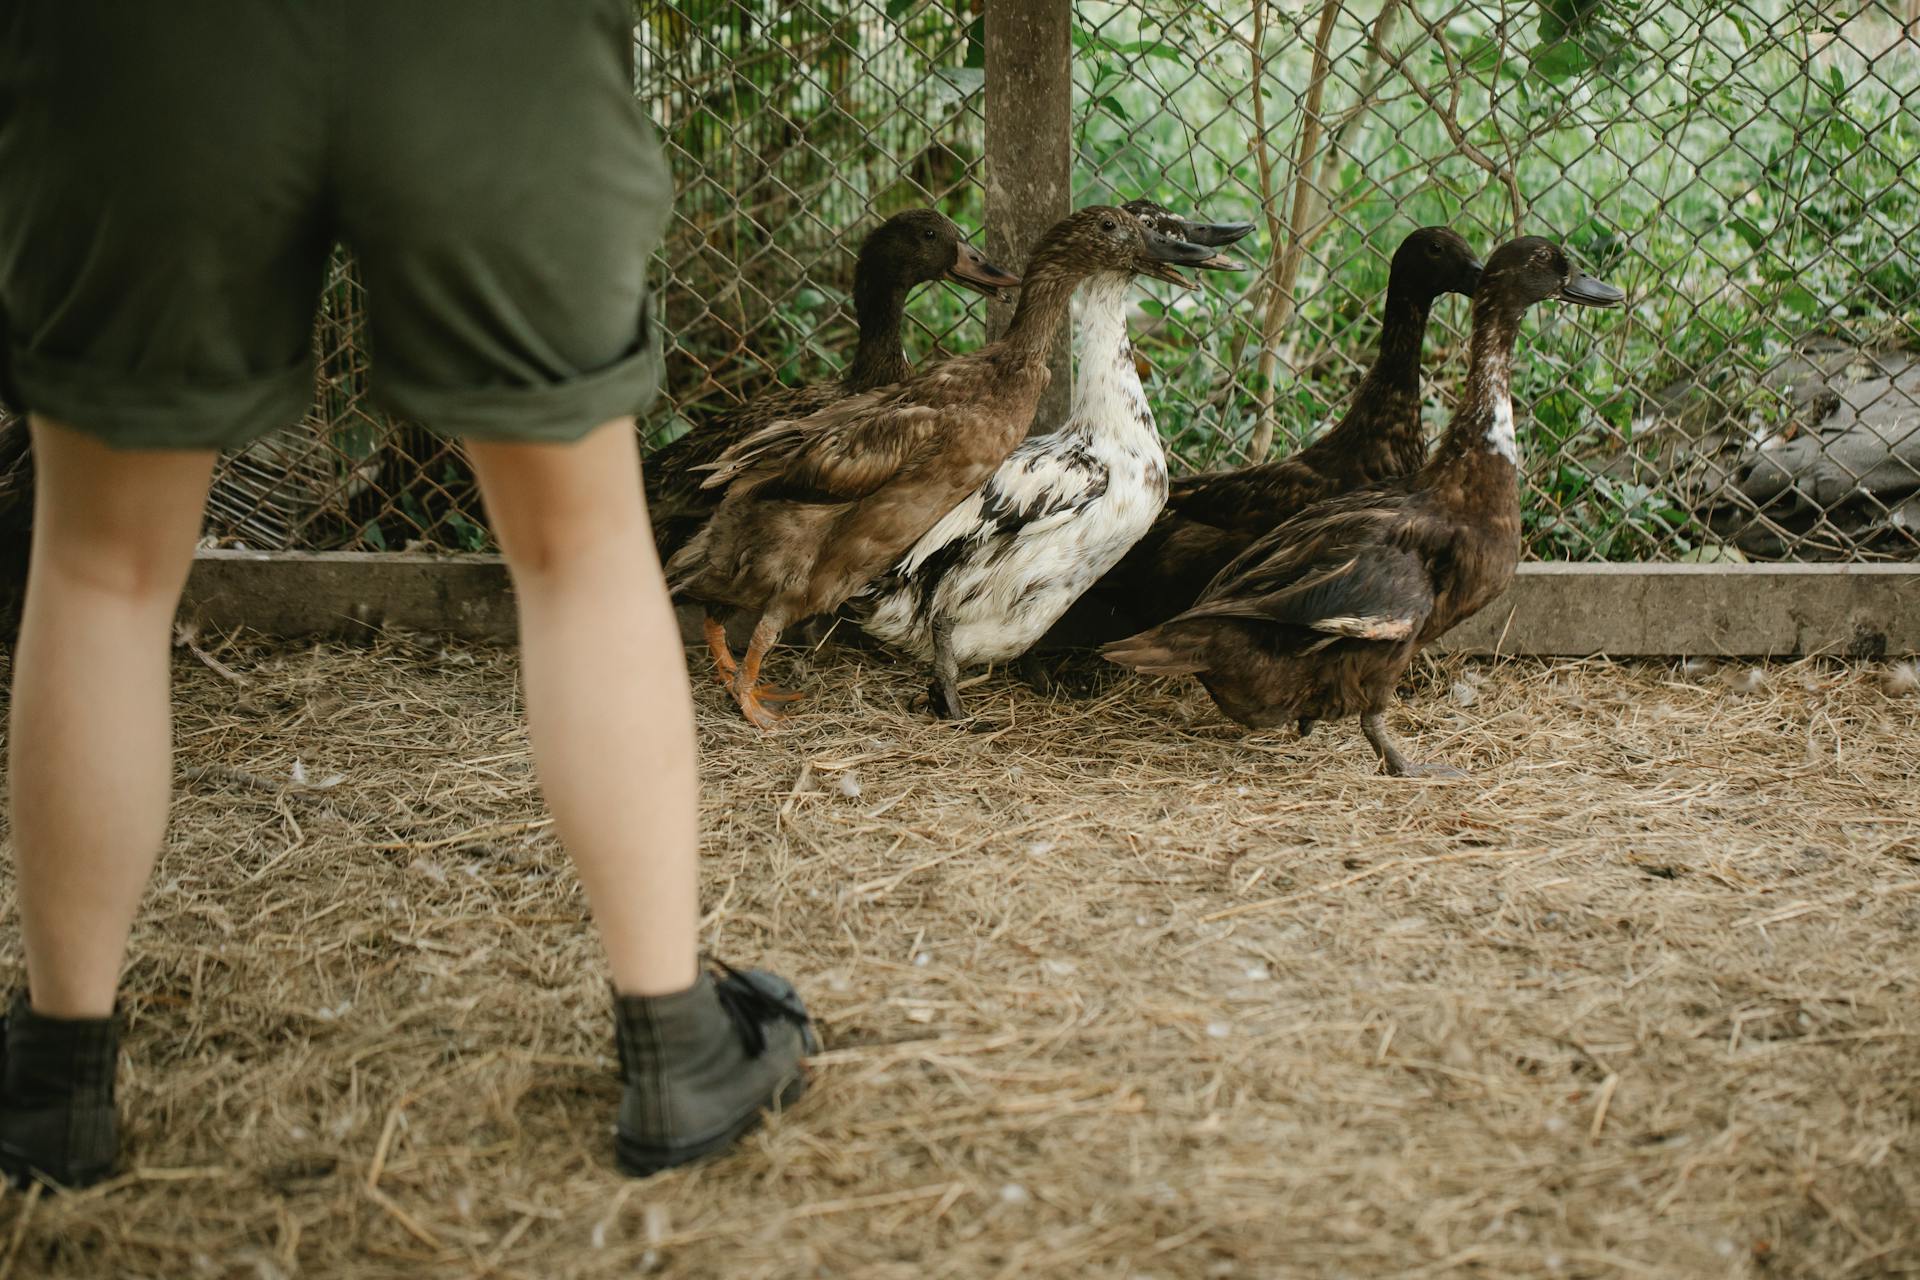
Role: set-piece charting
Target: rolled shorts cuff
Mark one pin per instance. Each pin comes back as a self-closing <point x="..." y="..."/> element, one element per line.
<point x="133" y="411"/>
<point x="557" y="412"/>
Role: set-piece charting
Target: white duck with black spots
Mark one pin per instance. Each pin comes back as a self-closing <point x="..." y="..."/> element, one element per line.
<point x="994" y="574"/>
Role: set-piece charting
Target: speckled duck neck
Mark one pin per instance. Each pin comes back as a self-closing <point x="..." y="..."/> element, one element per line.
<point x="1107" y="396"/>
<point x="880" y="305"/>
<point x="1045" y="295"/>
<point x="1482" y="426"/>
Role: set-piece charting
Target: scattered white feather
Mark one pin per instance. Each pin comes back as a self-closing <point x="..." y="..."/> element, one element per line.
<point x="1464" y="694"/>
<point x="848" y="785"/>
<point x="1901" y="680"/>
<point x="299" y="773"/>
<point x="1014" y="1193"/>
<point x="1500" y="435"/>
<point x="1751" y="680"/>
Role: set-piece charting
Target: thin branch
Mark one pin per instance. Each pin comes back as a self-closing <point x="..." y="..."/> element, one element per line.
<point x="1286" y="270"/>
<point x="1449" y="114"/>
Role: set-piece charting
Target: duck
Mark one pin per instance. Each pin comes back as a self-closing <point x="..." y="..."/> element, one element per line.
<point x="816" y="507"/>
<point x="1319" y="617"/>
<point x="909" y="249"/>
<point x="1211" y="517"/>
<point x="998" y="570"/>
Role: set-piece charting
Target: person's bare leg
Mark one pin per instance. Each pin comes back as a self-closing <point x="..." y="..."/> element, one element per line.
<point x="89" y="763"/>
<point x="608" y="706"/>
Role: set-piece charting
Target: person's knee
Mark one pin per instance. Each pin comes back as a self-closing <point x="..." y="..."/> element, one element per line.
<point x="130" y="570"/>
<point x="553" y="544"/>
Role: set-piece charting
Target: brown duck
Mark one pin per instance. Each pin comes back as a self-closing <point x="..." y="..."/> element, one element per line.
<point x="1212" y="517"/>
<point x="1318" y="619"/>
<point x="818" y="507"/>
<point x="907" y="250"/>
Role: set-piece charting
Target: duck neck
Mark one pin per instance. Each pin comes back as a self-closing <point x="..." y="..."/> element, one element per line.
<point x="1108" y="399"/>
<point x="1481" y="431"/>
<point x="1045" y="296"/>
<point x="1393" y="381"/>
<point x="880" y="306"/>
<point x="1402" y="334"/>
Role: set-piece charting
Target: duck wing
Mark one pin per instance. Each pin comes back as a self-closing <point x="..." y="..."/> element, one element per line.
<point x="1368" y="592"/>
<point x="1252" y="499"/>
<point x="1354" y="568"/>
<point x="852" y="448"/>
<point x="673" y="474"/>
<point x="1043" y="483"/>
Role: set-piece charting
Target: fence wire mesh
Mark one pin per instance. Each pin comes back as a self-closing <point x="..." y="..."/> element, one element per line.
<point x="1749" y="172"/>
<point x="1746" y="171"/>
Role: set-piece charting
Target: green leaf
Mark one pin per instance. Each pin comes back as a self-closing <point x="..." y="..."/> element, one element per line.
<point x="1800" y="300"/>
<point x="1559" y="61"/>
<point x="1748" y="232"/>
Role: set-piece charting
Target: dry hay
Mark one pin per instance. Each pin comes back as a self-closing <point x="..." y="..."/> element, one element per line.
<point x="1109" y="989"/>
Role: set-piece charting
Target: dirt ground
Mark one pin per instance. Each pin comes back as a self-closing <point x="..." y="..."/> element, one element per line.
<point x="1108" y="988"/>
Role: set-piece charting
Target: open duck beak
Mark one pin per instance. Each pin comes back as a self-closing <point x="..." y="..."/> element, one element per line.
<point x="1164" y="254"/>
<point x="1213" y="234"/>
<point x="974" y="272"/>
<point x="1588" y="292"/>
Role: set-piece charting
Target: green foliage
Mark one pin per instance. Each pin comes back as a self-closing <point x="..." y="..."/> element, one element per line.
<point x="1749" y="173"/>
<point x="1750" y="181"/>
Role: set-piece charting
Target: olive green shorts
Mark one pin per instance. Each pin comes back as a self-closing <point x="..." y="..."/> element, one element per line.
<point x="174" y="176"/>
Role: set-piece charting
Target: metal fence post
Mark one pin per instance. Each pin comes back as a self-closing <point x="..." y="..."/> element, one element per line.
<point x="1029" y="159"/>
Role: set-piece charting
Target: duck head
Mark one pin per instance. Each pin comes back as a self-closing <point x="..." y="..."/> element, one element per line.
<point x="923" y="244"/>
<point x="1105" y="238"/>
<point x="1212" y="234"/>
<point x="1437" y="260"/>
<point x="1532" y="269"/>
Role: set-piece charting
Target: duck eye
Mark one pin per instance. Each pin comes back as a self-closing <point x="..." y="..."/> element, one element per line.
<point x="929" y="233"/>
<point x="1106" y="224"/>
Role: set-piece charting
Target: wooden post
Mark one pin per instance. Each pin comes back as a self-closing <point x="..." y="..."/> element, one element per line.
<point x="1029" y="159"/>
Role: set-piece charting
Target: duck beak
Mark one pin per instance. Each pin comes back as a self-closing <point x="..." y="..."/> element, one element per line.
<point x="1164" y="253"/>
<point x="1213" y="234"/>
<point x="972" y="271"/>
<point x="1588" y="292"/>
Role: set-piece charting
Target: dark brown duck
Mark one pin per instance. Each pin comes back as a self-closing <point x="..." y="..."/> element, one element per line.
<point x="1212" y="517"/>
<point x="816" y="508"/>
<point x="907" y="250"/>
<point x="1319" y="618"/>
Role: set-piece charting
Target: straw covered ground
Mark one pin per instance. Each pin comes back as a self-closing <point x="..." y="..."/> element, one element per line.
<point x="1108" y="988"/>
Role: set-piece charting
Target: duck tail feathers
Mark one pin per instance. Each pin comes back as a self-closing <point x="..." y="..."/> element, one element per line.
<point x="1157" y="652"/>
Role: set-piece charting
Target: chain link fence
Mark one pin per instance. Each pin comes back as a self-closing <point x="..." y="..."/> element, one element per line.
<point x="1749" y="172"/>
